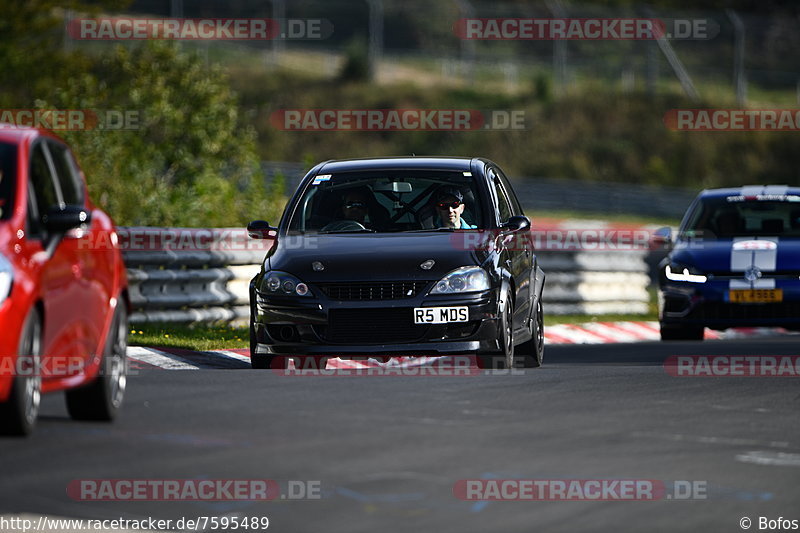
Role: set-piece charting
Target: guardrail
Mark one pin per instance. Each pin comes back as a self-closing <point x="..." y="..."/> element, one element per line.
<point x="190" y="274"/>
<point x="595" y="283"/>
<point x="202" y="275"/>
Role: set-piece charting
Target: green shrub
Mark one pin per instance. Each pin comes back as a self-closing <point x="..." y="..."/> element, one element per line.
<point x="191" y="162"/>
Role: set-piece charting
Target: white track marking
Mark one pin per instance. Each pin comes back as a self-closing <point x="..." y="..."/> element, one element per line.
<point x="154" y="357"/>
<point x="230" y="355"/>
<point x="770" y="458"/>
<point x="615" y="333"/>
<point x="575" y="334"/>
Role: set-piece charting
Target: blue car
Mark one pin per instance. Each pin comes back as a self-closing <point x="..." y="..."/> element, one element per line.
<point x="734" y="263"/>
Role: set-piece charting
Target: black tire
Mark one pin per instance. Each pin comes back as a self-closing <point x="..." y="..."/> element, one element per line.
<point x="19" y="412"/>
<point x="532" y="351"/>
<point x="102" y="398"/>
<point x="261" y="361"/>
<point x="682" y="333"/>
<point x="505" y="359"/>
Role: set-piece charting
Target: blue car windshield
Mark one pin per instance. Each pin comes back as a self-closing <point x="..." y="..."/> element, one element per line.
<point x="740" y="216"/>
<point x="8" y="172"/>
<point x="388" y="201"/>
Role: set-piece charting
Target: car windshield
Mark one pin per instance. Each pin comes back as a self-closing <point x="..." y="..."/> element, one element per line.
<point x="734" y="216"/>
<point x="388" y="201"/>
<point x="8" y="167"/>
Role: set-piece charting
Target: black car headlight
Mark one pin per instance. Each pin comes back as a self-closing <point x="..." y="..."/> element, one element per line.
<point x="461" y="280"/>
<point x="282" y="284"/>
<point x="678" y="272"/>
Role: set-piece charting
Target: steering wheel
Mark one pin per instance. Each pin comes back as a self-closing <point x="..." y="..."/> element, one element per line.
<point x="343" y="225"/>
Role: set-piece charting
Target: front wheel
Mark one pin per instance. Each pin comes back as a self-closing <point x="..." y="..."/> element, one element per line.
<point x="102" y="398"/>
<point x="532" y="351"/>
<point x="506" y="341"/>
<point x="19" y="412"/>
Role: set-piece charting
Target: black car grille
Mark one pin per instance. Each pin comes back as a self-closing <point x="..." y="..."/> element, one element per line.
<point x="371" y="326"/>
<point x="725" y="311"/>
<point x="373" y="290"/>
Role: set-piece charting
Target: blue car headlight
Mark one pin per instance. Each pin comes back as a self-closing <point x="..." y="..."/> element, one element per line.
<point x="282" y="284"/>
<point x="677" y="272"/>
<point x="461" y="280"/>
<point x="6" y="278"/>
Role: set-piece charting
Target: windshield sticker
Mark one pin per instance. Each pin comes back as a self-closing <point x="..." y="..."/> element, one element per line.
<point x="322" y="177"/>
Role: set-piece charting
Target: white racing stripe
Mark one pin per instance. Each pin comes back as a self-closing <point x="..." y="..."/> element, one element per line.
<point x="154" y="357"/>
<point x="744" y="257"/>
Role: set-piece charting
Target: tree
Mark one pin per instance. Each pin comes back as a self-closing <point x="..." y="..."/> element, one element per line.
<point x="188" y="160"/>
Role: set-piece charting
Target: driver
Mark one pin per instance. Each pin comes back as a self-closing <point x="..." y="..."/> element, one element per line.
<point x="355" y="206"/>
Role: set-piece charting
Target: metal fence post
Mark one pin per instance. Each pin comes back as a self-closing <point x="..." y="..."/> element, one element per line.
<point x="375" y="36"/>
<point x="739" y="78"/>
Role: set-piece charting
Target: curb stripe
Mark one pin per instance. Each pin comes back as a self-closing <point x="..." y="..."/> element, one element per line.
<point x="154" y="357"/>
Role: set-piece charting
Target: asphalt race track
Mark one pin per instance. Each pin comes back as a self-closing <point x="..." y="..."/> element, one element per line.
<point x="388" y="451"/>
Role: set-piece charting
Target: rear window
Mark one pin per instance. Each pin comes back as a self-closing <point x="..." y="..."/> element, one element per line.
<point x="734" y="216"/>
<point x="8" y="173"/>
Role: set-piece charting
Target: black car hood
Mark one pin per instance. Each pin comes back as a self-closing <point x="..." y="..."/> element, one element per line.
<point x="366" y="256"/>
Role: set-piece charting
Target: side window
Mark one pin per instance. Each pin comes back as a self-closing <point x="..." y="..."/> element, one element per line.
<point x="515" y="207"/>
<point x="8" y="179"/>
<point x="42" y="180"/>
<point x="503" y="206"/>
<point x="35" y="228"/>
<point x="66" y="173"/>
<point x="42" y="190"/>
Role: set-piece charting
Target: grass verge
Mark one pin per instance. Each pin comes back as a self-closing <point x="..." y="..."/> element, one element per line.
<point x="198" y="337"/>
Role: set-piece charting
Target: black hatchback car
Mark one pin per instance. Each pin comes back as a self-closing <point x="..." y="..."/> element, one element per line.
<point x="399" y="256"/>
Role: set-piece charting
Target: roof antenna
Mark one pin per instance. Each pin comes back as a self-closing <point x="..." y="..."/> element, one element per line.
<point x="413" y="154"/>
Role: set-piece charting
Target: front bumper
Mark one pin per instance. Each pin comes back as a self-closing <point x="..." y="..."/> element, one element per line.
<point x="708" y="304"/>
<point x="319" y="326"/>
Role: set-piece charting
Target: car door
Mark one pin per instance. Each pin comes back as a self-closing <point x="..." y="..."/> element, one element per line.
<point x="63" y="346"/>
<point x="517" y="250"/>
<point x="93" y="257"/>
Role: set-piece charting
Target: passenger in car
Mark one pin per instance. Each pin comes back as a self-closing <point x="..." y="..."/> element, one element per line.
<point x="449" y="204"/>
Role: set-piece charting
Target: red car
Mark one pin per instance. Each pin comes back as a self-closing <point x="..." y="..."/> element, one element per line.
<point x="63" y="288"/>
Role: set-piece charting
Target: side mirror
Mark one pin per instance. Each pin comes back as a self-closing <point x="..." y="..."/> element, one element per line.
<point x="516" y="223"/>
<point x="663" y="236"/>
<point x="260" y="229"/>
<point x="60" y="220"/>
